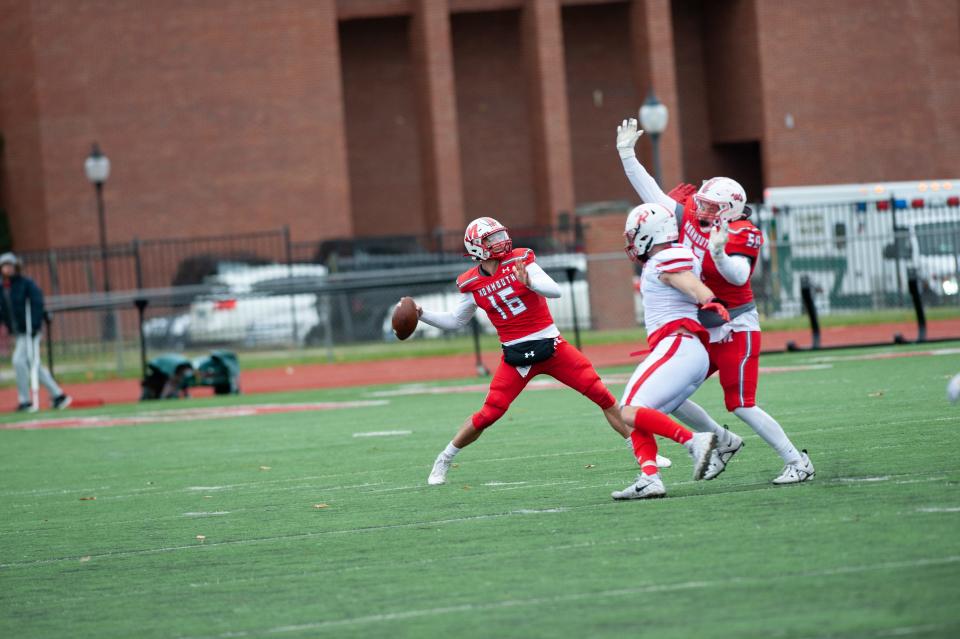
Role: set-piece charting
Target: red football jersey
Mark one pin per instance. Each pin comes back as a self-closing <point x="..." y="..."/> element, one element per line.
<point x="745" y="239"/>
<point x="515" y="310"/>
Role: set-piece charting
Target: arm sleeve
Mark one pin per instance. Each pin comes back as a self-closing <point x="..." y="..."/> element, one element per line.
<point x="450" y="320"/>
<point x="734" y="268"/>
<point x="541" y="283"/>
<point x="645" y="186"/>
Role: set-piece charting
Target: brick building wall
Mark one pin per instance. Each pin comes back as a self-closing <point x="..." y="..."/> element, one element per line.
<point x="873" y="95"/>
<point x="342" y="117"/>
<point x="383" y="129"/>
<point x="495" y="150"/>
<point x="601" y="91"/>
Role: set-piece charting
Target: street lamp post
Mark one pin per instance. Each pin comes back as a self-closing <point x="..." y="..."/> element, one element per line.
<point x="653" y="120"/>
<point x="97" y="168"/>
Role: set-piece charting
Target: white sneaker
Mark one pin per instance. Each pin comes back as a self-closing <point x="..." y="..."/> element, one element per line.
<point x="439" y="473"/>
<point x="646" y="487"/>
<point x="700" y="447"/>
<point x="722" y="454"/>
<point x="794" y="473"/>
<point x="662" y="462"/>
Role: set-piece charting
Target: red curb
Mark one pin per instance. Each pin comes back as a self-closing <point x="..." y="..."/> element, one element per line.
<point x="311" y="376"/>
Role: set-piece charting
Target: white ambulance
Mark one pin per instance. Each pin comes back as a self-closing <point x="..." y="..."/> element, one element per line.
<point x="857" y="243"/>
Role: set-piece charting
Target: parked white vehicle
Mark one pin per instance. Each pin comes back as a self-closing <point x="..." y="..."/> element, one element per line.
<point x="861" y="241"/>
<point x="250" y="306"/>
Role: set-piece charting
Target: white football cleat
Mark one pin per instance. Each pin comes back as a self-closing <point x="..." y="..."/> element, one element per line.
<point x="662" y="462"/>
<point x="795" y="473"/>
<point x="700" y="447"/>
<point x="728" y="445"/>
<point x="438" y="475"/>
<point x="646" y="487"/>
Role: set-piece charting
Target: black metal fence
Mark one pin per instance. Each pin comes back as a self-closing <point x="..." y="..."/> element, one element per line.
<point x="263" y="291"/>
<point x="857" y="256"/>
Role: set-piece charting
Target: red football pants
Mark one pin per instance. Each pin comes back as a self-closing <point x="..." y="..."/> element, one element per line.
<point x="568" y="365"/>
<point x="738" y="360"/>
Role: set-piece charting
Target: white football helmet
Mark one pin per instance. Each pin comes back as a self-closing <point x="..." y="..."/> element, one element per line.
<point x="648" y="225"/>
<point x="721" y="199"/>
<point x="486" y="238"/>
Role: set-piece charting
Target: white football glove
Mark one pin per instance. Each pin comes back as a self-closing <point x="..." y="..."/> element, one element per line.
<point x="627" y="136"/>
<point x="718" y="238"/>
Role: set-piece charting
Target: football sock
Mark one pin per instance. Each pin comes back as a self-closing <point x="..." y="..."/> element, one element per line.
<point x="770" y="431"/>
<point x="659" y="424"/>
<point x="698" y="419"/>
<point x="645" y="450"/>
<point x="450" y="451"/>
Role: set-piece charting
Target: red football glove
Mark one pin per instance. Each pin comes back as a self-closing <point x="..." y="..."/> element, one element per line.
<point x="713" y="305"/>
<point x="681" y="192"/>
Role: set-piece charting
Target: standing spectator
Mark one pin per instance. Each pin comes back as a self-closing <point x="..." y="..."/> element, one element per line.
<point x="18" y="291"/>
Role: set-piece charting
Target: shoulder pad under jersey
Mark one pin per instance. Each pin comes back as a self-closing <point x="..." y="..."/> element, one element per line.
<point x="468" y="278"/>
<point x="524" y="255"/>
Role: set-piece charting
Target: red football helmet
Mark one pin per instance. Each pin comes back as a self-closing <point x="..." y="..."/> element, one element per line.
<point x="486" y="239"/>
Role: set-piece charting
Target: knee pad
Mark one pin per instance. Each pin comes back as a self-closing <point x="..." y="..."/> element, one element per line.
<point x="600" y="394"/>
<point x="493" y="409"/>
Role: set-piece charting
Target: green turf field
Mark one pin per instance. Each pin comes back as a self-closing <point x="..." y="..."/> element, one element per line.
<point x="524" y="541"/>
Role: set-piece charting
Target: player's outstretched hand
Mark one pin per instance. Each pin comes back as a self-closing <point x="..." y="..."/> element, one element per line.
<point x="627" y="136"/>
<point x="719" y="235"/>
<point x="520" y="270"/>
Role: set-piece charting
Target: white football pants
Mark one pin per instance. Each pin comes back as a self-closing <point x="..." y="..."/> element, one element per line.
<point x="672" y="372"/>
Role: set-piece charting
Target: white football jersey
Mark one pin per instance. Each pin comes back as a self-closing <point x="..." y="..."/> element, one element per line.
<point x="661" y="302"/>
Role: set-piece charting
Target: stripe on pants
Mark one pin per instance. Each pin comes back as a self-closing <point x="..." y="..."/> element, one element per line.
<point x="743" y="364"/>
<point x="657" y="364"/>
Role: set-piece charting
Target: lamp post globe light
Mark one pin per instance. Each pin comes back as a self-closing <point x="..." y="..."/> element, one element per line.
<point x="97" y="168"/>
<point x="653" y="119"/>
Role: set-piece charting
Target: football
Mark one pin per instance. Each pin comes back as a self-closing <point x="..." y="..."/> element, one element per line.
<point x="405" y="318"/>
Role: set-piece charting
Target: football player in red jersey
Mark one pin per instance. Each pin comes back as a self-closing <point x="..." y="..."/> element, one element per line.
<point x="714" y="223"/>
<point x="512" y="289"/>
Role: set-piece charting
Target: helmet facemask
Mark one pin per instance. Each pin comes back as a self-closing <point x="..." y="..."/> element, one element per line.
<point x="498" y="243"/>
<point x="708" y="211"/>
<point x="720" y="199"/>
<point x="487" y="239"/>
<point x="637" y="247"/>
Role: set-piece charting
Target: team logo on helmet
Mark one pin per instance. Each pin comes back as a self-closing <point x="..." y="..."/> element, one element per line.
<point x="720" y="199"/>
<point x="485" y="238"/>
<point x="648" y="225"/>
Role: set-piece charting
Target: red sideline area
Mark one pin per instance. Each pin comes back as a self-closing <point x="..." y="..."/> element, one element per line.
<point x="310" y="376"/>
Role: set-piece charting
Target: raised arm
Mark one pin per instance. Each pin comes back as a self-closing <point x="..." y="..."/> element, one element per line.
<point x="642" y="182"/>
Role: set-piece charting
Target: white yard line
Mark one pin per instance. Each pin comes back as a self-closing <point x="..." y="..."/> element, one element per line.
<point x="306" y="535"/>
<point x="601" y="596"/>
<point x="384" y="433"/>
